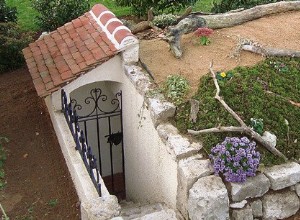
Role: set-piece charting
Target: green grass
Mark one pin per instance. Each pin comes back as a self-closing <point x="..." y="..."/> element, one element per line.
<point x="246" y="94"/>
<point x="2" y="160"/>
<point x="26" y="13"/>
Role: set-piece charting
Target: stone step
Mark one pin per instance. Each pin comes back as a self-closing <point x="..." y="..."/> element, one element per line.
<point x="137" y="211"/>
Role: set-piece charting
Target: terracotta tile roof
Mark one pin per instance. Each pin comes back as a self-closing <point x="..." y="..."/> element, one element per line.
<point x="76" y="48"/>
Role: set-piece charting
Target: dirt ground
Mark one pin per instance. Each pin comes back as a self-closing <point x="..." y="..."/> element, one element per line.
<point x="279" y="31"/>
<point x="38" y="183"/>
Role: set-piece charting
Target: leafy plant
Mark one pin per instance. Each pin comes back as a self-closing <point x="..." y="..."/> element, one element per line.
<point x="236" y="158"/>
<point x="140" y="7"/>
<point x="176" y="88"/>
<point x="12" y="41"/>
<point x="227" y="5"/>
<point x="203" y="34"/>
<point x="279" y="66"/>
<point x="55" y="13"/>
<point x="53" y="202"/>
<point x="223" y="76"/>
<point x="2" y="160"/>
<point x="164" y="20"/>
<point x="7" y="14"/>
<point x="257" y="125"/>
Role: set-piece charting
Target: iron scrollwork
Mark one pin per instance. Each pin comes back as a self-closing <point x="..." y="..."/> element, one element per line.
<point x="95" y="98"/>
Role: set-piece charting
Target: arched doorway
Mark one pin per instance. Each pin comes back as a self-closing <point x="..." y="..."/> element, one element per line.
<point x="99" y="110"/>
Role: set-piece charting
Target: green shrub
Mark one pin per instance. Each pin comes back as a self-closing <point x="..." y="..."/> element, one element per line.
<point x="176" y="88"/>
<point x="7" y="14"/>
<point x="55" y="13"/>
<point x="227" y="5"/>
<point x="164" y="20"/>
<point x="12" y="41"/>
<point x="140" y="7"/>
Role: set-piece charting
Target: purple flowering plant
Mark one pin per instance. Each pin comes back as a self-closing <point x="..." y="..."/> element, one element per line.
<point x="236" y="158"/>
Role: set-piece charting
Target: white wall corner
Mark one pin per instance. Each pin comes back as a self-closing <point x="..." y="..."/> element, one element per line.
<point x="56" y="100"/>
<point x="131" y="54"/>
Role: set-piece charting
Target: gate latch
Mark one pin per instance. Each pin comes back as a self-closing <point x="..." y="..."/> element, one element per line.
<point x="114" y="138"/>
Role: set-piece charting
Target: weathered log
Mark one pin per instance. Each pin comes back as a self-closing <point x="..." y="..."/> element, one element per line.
<point x="235" y="18"/>
<point x="242" y="129"/>
<point x="185" y="26"/>
<point x="268" y="51"/>
<point x="228" y="19"/>
<point x="144" y="25"/>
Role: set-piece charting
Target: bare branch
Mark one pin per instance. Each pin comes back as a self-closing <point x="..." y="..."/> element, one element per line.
<point x="220" y="99"/>
<point x="265" y="51"/>
<point x="218" y="130"/>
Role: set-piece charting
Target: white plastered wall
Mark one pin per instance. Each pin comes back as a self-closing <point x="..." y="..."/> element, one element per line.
<point x="151" y="173"/>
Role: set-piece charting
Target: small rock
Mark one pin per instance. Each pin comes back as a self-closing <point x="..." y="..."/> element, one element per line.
<point x="280" y="205"/>
<point x="242" y="214"/>
<point x="270" y="138"/>
<point x="238" y="205"/>
<point x="25" y="155"/>
<point x="257" y="209"/>
<point x="282" y="176"/>
<point x="161" y="36"/>
<point x="208" y="199"/>
<point x="37" y="133"/>
<point x="297" y="187"/>
<point x="252" y="188"/>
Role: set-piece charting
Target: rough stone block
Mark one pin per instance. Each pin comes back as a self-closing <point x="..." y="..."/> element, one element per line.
<point x="238" y="205"/>
<point x="138" y="78"/>
<point x="165" y="130"/>
<point x="180" y="147"/>
<point x="282" y="176"/>
<point x="280" y="205"/>
<point x="257" y="209"/>
<point x="252" y="188"/>
<point x="189" y="171"/>
<point x="297" y="187"/>
<point x="208" y="199"/>
<point x="160" y="110"/>
<point x="242" y="214"/>
<point x="100" y="208"/>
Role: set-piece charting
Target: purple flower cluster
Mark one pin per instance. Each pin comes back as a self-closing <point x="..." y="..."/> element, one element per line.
<point x="236" y="158"/>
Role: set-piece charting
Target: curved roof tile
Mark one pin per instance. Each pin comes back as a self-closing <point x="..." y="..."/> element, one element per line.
<point x="76" y="48"/>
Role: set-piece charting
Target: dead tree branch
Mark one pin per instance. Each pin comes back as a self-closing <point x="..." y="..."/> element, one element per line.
<point x="265" y="51"/>
<point x="242" y="129"/>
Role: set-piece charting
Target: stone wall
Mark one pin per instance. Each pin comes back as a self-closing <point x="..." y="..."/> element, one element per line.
<point x="273" y="194"/>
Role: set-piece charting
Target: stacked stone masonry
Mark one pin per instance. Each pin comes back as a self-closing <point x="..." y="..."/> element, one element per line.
<point x="273" y="194"/>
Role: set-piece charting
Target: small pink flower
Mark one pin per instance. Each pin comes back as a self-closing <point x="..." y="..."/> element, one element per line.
<point x="203" y="32"/>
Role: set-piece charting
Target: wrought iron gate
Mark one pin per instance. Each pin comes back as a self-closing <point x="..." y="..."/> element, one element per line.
<point x="100" y="120"/>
